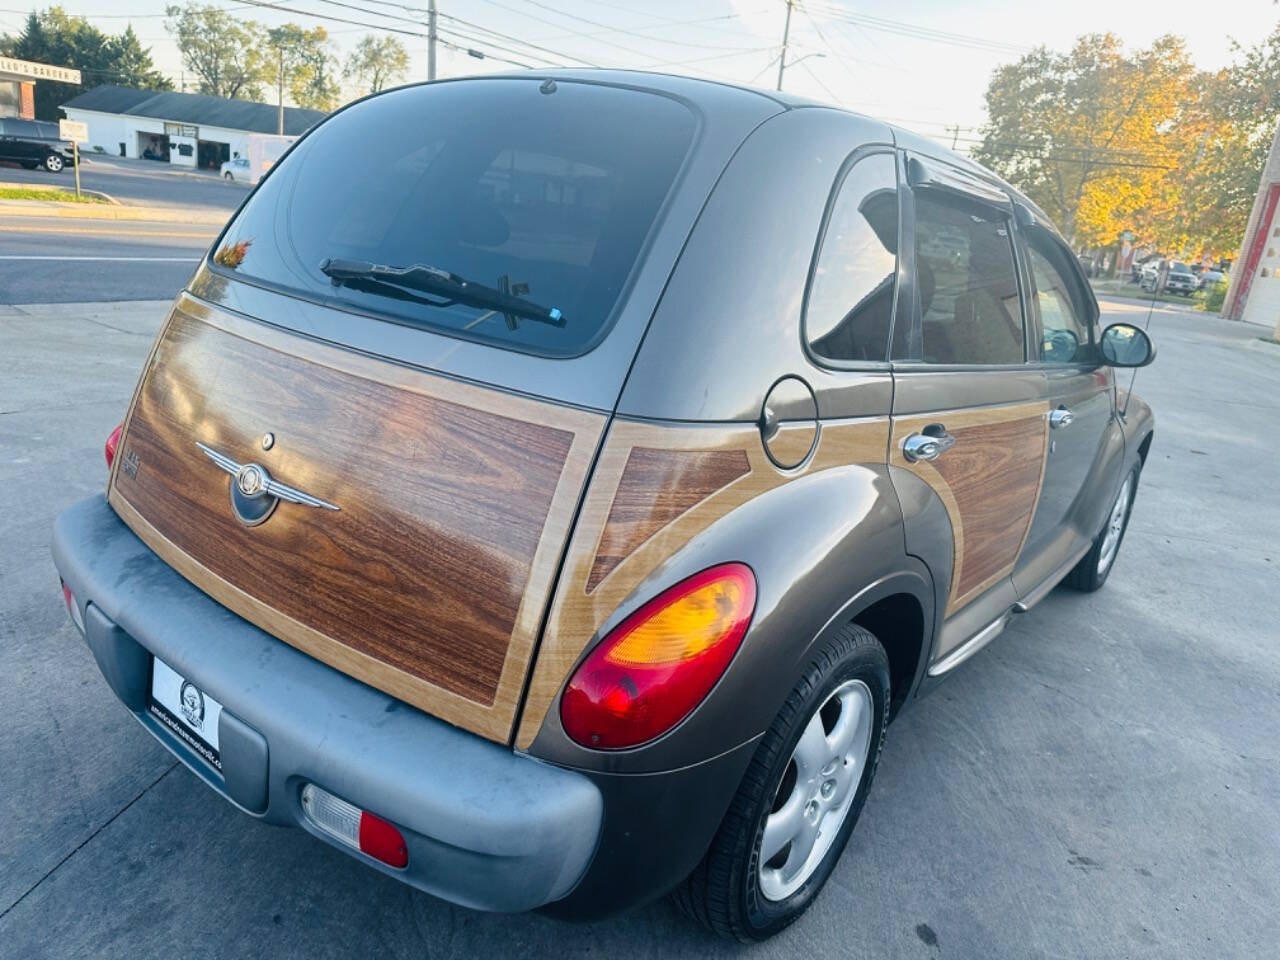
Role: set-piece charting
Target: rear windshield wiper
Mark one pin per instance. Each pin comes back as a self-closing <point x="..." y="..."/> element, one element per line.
<point x="449" y="286"/>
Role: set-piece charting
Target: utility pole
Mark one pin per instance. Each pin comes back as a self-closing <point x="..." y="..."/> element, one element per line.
<point x="786" y="34"/>
<point x="280" y="95"/>
<point x="955" y="135"/>
<point x="431" y="39"/>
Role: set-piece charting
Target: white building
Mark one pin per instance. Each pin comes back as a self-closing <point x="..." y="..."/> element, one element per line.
<point x="185" y="129"/>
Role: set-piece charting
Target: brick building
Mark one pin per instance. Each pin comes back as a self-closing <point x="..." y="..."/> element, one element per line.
<point x="18" y="79"/>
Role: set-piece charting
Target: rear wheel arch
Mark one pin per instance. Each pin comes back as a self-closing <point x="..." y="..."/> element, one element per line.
<point x="899" y="610"/>
<point x="1144" y="447"/>
<point x="898" y="622"/>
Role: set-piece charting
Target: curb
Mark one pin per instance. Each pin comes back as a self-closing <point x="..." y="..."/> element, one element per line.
<point x="1159" y="304"/>
<point x="51" y="188"/>
<point x="58" y="210"/>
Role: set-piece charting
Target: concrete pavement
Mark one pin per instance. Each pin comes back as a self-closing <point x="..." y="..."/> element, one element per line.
<point x="1099" y="782"/>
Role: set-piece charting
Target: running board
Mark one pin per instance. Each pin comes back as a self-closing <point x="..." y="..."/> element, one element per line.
<point x="1051" y="581"/>
<point x="971" y="646"/>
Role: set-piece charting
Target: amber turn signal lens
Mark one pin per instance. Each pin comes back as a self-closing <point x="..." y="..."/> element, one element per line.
<point x="661" y="662"/>
<point x="113" y="441"/>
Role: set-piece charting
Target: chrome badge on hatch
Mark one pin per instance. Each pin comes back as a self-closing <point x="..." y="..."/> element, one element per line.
<point x="254" y="494"/>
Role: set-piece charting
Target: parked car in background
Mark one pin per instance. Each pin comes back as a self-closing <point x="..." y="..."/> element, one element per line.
<point x="236" y="169"/>
<point x="461" y="519"/>
<point x="1210" y="277"/>
<point x="34" y="143"/>
<point x="1139" y="267"/>
<point x="1179" y="278"/>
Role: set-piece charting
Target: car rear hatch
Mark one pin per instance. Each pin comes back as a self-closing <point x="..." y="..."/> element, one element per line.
<point x="385" y="474"/>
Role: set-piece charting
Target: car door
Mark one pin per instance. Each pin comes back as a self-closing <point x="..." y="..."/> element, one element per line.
<point x="27" y="145"/>
<point x="970" y="419"/>
<point x="7" y="141"/>
<point x="1085" y="442"/>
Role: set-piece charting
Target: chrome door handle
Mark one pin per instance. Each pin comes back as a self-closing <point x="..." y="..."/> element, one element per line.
<point x="1062" y="417"/>
<point x="929" y="445"/>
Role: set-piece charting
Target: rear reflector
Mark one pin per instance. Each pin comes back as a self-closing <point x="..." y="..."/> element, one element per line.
<point x="73" y="608"/>
<point x="353" y="827"/>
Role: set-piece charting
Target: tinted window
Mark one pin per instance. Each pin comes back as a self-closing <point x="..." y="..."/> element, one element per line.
<point x="850" y="308"/>
<point x="548" y="197"/>
<point x="1064" y="316"/>
<point x="969" y="306"/>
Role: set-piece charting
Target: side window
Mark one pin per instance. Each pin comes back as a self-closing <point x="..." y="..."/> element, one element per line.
<point x="970" y="311"/>
<point x="1064" y="323"/>
<point x="850" y="308"/>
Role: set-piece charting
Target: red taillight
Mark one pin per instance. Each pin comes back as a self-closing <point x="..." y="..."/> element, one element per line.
<point x="66" y="596"/>
<point x="113" y="441"/>
<point x="650" y="672"/>
<point x="382" y="841"/>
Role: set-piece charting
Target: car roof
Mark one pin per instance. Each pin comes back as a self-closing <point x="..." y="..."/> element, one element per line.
<point x="709" y="94"/>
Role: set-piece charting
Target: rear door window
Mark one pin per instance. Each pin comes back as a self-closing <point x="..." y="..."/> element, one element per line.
<point x="970" y="309"/>
<point x="543" y="193"/>
<point x="849" y="312"/>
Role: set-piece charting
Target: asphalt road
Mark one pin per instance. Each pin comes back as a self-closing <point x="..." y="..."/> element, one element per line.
<point x="138" y="182"/>
<point x="1100" y="782"/>
<point x="54" y="260"/>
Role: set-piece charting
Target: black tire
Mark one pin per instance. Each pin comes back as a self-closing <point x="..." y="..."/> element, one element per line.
<point x="723" y="892"/>
<point x="54" y="163"/>
<point x="1086" y="576"/>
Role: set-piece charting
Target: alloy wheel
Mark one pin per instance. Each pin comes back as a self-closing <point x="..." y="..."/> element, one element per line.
<point x="1115" y="527"/>
<point x="817" y="790"/>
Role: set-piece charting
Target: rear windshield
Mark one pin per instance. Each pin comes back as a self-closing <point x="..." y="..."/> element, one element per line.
<point x="545" y="193"/>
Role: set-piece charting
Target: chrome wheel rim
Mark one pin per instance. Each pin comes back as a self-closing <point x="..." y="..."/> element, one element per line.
<point x="54" y="164"/>
<point x="1115" y="527"/>
<point x="817" y="790"/>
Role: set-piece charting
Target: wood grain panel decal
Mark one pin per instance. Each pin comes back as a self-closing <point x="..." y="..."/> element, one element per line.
<point x="656" y="487"/>
<point x="430" y="580"/>
<point x="581" y="608"/>
<point x="989" y="483"/>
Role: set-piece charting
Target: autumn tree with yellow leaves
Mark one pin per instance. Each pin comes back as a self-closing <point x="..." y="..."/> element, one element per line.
<point x="1109" y="141"/>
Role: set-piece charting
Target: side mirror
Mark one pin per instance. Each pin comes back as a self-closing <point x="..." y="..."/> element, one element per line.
<point x="1124" y="345"/>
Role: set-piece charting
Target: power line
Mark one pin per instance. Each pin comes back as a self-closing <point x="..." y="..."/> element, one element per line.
<point x="915" y="31"/>
<point x="482" y="54"/>
<point x="559" y="26"/>
<point x="468" y="23"/>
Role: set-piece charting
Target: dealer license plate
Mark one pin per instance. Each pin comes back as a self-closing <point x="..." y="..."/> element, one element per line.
<point x="186" y="711"/>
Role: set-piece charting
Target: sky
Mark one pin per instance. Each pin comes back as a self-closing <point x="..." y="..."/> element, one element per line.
<point x="923" y="64"/>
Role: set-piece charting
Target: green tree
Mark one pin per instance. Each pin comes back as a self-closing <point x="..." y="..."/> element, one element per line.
<point x="55" y="37"/>
<point x="376" y="62"/>
<point x="132" y="63"/>
<point x="303" y="63"/>
<point x="225" y="53"/>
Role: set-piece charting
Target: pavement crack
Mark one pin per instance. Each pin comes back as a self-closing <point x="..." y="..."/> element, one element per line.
<point x="132" y="333"/>
<point x="112" y="819"/>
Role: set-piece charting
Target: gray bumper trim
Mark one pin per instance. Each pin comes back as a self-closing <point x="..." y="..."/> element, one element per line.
<point x="486" y="827"/>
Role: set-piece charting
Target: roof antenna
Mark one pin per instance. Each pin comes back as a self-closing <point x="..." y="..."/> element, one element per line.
<point x="1155" y="295"/>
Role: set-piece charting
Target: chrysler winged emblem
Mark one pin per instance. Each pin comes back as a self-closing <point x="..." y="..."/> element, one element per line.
<point x="253" y="493"/>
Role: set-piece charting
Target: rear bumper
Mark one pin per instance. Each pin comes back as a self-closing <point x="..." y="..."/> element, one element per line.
<point x="485" y="827"/>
